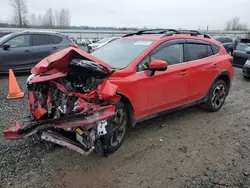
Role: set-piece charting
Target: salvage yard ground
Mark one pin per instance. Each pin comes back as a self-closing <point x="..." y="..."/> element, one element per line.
<point x="190" y="148"/>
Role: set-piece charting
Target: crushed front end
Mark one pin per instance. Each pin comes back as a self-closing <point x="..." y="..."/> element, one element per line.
<point x="71" y="103"/>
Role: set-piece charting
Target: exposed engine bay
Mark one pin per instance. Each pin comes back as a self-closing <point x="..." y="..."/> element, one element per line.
<point x="71" y="104"/>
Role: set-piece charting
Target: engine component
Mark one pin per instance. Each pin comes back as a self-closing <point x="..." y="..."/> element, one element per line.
<point x="101" y="128"/>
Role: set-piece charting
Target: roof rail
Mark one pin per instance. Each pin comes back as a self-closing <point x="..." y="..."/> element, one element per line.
<point x="150" y="31"/>
<point x="167" y="32"/>
<point x="39" y="31"/>
<point x="191" y="32"/>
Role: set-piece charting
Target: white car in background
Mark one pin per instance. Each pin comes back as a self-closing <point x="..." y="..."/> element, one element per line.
<point x="94" y="46"/>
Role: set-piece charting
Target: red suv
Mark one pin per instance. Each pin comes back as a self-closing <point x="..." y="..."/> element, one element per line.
<point x="86" y="102"/>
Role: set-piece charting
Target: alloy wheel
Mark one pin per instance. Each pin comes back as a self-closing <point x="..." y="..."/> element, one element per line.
<point x="119" y="127"/>
<point x="219" y="95"/>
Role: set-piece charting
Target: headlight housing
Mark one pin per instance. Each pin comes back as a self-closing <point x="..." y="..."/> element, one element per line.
<point x="248" y="62"/>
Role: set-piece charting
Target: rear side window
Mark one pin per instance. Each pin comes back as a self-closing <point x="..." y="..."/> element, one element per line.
<point x="39" y="40"/>
<point x="215" y="49"/>
<point x="56" y="39"/>
<point x="196" y="51"/>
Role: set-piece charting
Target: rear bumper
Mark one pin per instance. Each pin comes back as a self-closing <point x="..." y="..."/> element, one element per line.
<point x="20" y="130"/>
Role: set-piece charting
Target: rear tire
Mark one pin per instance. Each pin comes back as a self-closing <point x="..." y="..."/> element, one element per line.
<point x="216" y="96"/>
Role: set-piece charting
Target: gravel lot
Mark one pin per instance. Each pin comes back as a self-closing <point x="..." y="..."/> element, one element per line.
<point x="190" y="148"/>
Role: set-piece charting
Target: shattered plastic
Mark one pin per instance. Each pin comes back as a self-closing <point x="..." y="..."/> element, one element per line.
<point x="68" y="90"/>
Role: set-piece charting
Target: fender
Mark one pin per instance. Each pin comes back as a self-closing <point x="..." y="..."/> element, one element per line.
<point x="222" y="74"/>
<point x="132" y="119"/>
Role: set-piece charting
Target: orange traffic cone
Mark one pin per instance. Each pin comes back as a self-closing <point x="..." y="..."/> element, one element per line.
<point x="14" y="90"/>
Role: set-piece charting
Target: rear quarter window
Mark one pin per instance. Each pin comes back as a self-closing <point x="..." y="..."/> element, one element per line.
<point x="56" y="39"/>
<point x="215" y="49"/>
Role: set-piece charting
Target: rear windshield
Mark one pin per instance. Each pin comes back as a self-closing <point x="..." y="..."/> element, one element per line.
<point x="122" y="52"/>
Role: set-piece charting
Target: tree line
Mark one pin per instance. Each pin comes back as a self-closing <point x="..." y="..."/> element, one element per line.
<point x="61" y="19"/>
<point x="236" y="25"/>
<point x="51" y="18"/>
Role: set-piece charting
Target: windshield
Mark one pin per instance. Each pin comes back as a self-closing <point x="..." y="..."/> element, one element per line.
<point x="243" y="47"/>
<point x="121" y="53"/>
<point x="4" y="37"/>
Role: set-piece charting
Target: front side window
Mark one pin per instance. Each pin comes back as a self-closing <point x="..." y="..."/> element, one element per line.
<point x="172" y="54"/>
<point x="196" y="51"/>
<point x="19" y="41"/>
<point x="120" y="53"/>
<point x="39" y="40"/>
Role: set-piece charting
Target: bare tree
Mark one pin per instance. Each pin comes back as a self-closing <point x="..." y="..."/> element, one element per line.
<point x="64" y="18"/>
<point x="19" y="8"/>
<point x="39" y="20"/>
<point x="33" y="20"/>
<point x="57" y="18"/>
<point x="48" y="19"/>
<point x="235" y="24"/>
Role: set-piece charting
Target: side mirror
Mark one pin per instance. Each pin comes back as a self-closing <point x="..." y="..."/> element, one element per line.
<point x="158" y="65"/>
<point x="6" y="46"/>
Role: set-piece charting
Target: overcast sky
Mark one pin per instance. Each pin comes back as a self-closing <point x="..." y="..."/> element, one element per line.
<point x="188" y="14"/>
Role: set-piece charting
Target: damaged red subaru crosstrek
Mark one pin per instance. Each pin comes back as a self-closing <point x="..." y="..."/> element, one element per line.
<point x="86" y="102"/>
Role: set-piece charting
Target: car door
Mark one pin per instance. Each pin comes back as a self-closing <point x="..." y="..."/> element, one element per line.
<point x="19" y="54"/>
<point x="43" y="46"/>
<point x="240" y="55"/>
<point x="166" y="89"/>
<point x="203" y="68"/>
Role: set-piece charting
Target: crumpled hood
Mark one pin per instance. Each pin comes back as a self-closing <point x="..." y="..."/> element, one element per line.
<point x="58" y="62"/>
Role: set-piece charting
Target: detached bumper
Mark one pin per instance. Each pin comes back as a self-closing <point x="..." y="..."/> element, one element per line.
<point x="12" y="133"/>
<point x="19" y="131"/>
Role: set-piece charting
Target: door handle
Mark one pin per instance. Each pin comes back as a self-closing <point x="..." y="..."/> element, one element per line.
<point x="54" y="48"/>
<point x="183" y="72"/>
<point x="27" y="51"/>
<point x="214" y="65"/>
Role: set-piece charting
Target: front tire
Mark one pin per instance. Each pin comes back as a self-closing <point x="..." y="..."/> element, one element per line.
<point x="117" y="128"/>
<point x="216" y="96"/>
<point x="246" y="78"/>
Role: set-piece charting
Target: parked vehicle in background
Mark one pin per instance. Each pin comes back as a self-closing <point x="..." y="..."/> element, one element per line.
<point x="73" y="39"/>
<point x="3" y="33"/>
<point x="23" y="50"/>
<point x="94" y="46"/>
<point x="240" y="53"/>
<point x="82" y="41"/>
<point x="138" y="77"/>
<point x="228" y="42"/>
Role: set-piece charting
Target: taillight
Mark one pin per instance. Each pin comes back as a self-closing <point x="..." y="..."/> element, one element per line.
<point x="231" y="59"/>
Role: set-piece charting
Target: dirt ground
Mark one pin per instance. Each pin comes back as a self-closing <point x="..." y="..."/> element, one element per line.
<point x="189" y="149"/>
